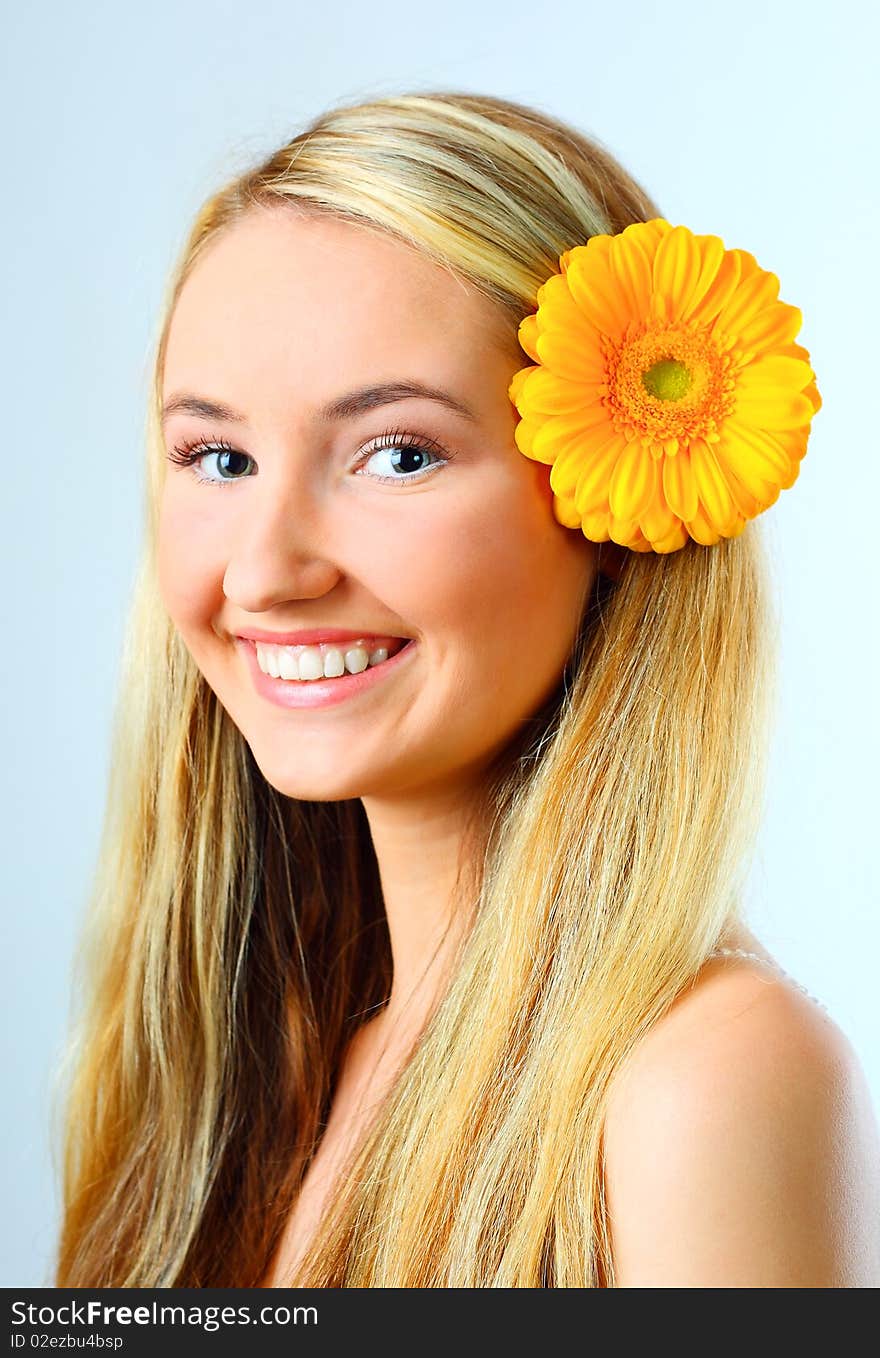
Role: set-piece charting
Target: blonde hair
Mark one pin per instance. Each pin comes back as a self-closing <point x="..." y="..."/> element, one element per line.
<point x="237" y="936"/>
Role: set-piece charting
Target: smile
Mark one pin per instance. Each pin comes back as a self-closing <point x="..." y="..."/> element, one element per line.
<point x="344" y="681"/>
<point x="327" y="660"/>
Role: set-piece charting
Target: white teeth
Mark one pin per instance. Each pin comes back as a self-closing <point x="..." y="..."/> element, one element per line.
<point x="287" y="664"/>
<point x="356" y="659"/>
<point x="306" y="663"/>
<point x="334" y="665"/>
<point x="311" y="666"/>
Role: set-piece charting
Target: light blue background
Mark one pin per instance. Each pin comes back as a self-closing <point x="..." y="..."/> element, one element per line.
<point x="752" y="121"/>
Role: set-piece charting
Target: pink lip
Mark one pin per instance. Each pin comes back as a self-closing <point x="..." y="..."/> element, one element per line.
<point x="313" y="635"/>
<point x="320" y="692"/>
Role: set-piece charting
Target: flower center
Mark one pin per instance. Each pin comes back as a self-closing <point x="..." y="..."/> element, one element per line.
<point x="668" y="383"/>
<point x="668" y="380"/>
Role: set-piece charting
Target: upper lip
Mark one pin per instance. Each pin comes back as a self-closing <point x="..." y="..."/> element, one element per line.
<point x="309" y="635"/>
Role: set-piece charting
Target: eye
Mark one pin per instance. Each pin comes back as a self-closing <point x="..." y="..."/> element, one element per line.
<point x="405" y="458"/>
<point x="402" y="458"/>
<point x="194" y="452"/>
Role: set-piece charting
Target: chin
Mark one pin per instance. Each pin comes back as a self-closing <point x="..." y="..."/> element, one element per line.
<point x="309" y="785"/>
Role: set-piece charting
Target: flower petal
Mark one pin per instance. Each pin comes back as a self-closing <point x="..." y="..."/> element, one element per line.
<point x="625" y="532"/>
<point x="715" y="492"/>
<point x="565" y="512"/>
<point x="547" y="393"/>
<point x="680" y="485"/>
<point x="757" y="459"/>
<point x="595" y="525"/>
<point x="771" y="328"/>
<point x="632" y="267"/>
<point x="811" y="390"/>
<point x="594" y="477"/>
<point x="566" y="469"/>
<point x="595" y="289"/>
<point x="677" y="267"/>
<point x="773" y="373"/>
<point x="574" y="453"/>
<point x="633" y="485"/>
<point x="672" y="541"/>
<point x="647" y="234"/>
<point x="711" y="252"/>
<point x="557" y="310"/>
<point x="744" y="502"/>
<point x="524" y="432"/>
<point x="719" y="291"/>
<point x="574" y="355"/>
<point x="703" y="530"/>
<point x="528" y="335"/>
<point x="563" y="356"/>
<point x="794" y="443"/>
<point x="557" y="430"/>
<point x="659" y="519"/>
<point x="773" y="409"/>
<point x="793" y="350"/>
<point x="517" y="382"/>
<point x="756" y="291"/>
<point x="812" y="394"/>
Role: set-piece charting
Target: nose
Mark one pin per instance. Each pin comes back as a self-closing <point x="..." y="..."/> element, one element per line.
<point x="280" y="551"/>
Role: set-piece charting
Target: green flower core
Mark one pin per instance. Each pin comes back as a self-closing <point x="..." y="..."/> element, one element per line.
<point x="668" y="380"/>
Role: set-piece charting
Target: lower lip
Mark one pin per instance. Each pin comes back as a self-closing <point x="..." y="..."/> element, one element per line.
<point x="321" y="692"/>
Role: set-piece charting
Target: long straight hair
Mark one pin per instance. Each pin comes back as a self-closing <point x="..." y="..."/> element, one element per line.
<point x="236" y="937"/>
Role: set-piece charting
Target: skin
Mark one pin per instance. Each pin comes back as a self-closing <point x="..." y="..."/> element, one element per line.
<point x="753" y="1104"/>
<point x="284" y="313"/>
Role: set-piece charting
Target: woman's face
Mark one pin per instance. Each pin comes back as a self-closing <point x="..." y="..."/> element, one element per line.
<point x="442" y="534"/>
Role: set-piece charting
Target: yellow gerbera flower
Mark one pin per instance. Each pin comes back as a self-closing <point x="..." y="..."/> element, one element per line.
<point x="667" y="392"/>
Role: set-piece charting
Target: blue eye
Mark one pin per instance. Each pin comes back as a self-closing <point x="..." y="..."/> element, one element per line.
<point x="409" y="457"/>
<point x="191" y="454"/>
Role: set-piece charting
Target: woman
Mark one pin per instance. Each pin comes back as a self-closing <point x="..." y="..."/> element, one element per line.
<point x="416" y="957"/>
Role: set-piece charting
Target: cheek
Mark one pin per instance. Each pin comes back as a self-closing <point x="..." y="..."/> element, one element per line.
<point x="514" y="574"/>
<point x="190" y="580"/>
<point x="498" y="586"/>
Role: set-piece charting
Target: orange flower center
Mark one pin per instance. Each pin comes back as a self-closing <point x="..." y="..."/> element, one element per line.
<point x="669" y="384"/>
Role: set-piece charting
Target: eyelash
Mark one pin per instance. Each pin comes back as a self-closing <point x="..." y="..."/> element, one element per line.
<point x="190" y="453"/>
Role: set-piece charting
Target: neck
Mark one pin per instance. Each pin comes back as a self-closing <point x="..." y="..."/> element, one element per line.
<point x="426" y="859"/>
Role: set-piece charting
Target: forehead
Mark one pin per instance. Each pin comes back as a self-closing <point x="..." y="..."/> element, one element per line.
<point x="283" y="303"/>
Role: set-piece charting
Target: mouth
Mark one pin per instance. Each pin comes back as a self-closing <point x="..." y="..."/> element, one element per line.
<point x="344" y="673"/>
<point x="307" y="664"/>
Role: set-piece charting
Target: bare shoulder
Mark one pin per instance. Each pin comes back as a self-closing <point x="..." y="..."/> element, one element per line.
<point x="741" y="1148"/>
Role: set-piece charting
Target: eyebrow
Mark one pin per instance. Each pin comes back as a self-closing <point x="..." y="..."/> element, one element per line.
<point x="341" y="408"/>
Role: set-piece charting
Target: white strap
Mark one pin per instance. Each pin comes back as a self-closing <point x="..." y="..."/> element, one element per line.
<point x="741" y="952"/>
